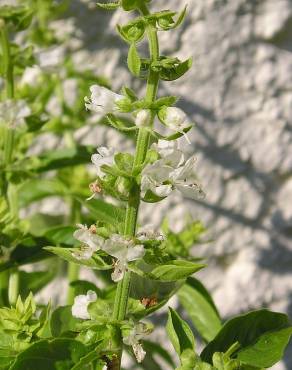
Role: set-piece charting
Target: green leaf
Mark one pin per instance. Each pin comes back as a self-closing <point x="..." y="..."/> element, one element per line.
<point x="179" y="333"/>
<point x="129" y="4"/>
<point x="50" y="355"/>
<point x="262" y="336"/>
<point x="103" y="211"/>
<point x="133" y="31"/>
<point x="62" y="322"/>
<point x="268" y="350"/>
<point x="86" y="360"/>
<point x="167" y="23"/>
<point x="175" y="270"/>
<point x="134" y="61"/>
<point x="36" y="189"/>
<point x="36" y="280"/>
<point x="56" y="159"/>
<point x="28" y="250"/>
<point x="176" y="72"/>
<point x="154" y="350"/>
<point x="199" y="305"/>
<point x="95" y="262"/>
<point x="109" y="6"/>
<point x="165" y="101"/>
<point x="61" y="235"/>
<point x="121" y="124"/>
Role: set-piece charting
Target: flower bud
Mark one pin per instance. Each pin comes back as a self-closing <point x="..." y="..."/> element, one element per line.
<point x="143" y="118"/>
<point x="123" y="186"/>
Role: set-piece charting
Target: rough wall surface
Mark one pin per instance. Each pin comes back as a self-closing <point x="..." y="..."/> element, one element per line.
<point x="240" y="96"/>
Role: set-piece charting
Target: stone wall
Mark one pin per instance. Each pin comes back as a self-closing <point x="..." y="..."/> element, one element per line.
<point x="239" y="93"/>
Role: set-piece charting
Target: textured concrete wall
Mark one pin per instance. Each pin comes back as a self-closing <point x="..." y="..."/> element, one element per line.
<point x="239" y="93"/>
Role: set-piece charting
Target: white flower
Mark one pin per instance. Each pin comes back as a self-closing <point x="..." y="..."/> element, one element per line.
<point x="143" y="118"/>
<point x="124" y="250"/>
<point x="175" y="119"/>
<point x="139" y="332"/>
<point x="155" y="177"/>
<point x="81" y="302"/>
<point x="105" y="156"/>
<point x="13" y="112"/>
<point x="185" y="180"/>
<point x="91" y="242"/>
<point x="169" y="173"/>
<point x="148" y="233"/>
<point x="170" y="153"/>
<point x="102" y="100"/>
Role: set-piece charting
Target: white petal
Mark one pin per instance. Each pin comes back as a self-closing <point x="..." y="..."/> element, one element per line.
<point x="105" y="156"/>
<point x="119" y="271"/>
<point x="135" y="253"/>
<point x="84" y="253"/>
<point x="117" y="247"/>
<point x="148" y="232"/>
<point x="176" y="119"/>
<point x="102" y="100"/>
<point x="139" y="352"/>
<point x="163" y="190"/>
<point x="193" y="191"/>
<point x="81" y="302"/>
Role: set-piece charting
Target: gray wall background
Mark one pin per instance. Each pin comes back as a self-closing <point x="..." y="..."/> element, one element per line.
<point x="239" y="93"/>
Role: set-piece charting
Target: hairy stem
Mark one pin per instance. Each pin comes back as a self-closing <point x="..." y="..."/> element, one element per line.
<point x="142" y="144"/>
<point x="73" y="269"/>
<point x="9" y="289"/>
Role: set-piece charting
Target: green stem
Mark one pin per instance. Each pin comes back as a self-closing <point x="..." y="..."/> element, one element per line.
<point x="7" y="62"/>
<point x="9" y="286"/>
<point x="73" y="269"/>
<point x="4" y="282"/>
<point x="142" y="144"/>
<point x="13" y="287"/>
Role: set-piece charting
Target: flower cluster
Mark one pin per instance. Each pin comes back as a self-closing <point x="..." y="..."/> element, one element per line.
<point x="171" y="172"/>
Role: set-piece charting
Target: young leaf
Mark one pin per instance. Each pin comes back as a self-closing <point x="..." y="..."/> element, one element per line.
<point x="129" y="4"/>
<point x="62" y="322"/>
<point x="199" y="305"/>
<point x="166" y="23"/>
<point x="176" y="72"/>
<point x="134" y="61"/>
<point x="175" y="270"/>
<point x="36" y="189"/>
<point x="179" y="333"/>
<point x="262" y="335"/>
<point x="109" y="6"/>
